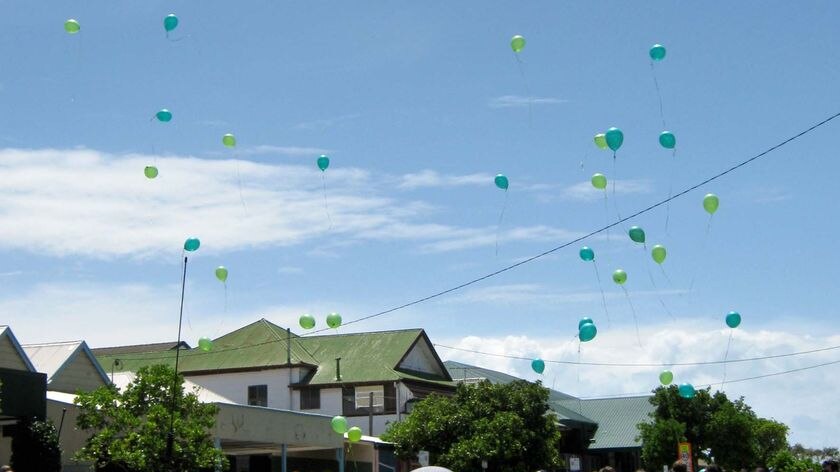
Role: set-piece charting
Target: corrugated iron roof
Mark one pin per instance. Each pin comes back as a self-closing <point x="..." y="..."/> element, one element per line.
<point x="617" y="419"/>
<point x="51" y="358"/>
<point x="138" y="348"/>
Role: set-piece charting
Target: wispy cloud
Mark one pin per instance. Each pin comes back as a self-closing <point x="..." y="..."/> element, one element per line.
<point x="326" y="122"/>
<point x="584" y="191"/>
<point x="431" y="178"/>
<point x="291" y="151"/>
<point x="515" y="101"/>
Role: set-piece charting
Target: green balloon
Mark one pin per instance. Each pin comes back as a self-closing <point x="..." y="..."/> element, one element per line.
<point x="191" y="244"/>
<point x="711" y="203"/>
<point x="150" y="172"/>
<point x="501" y="181"/>
<point x="221" y="273"/>
<point x="666" y="377"/>
<point x="339" y="424"/>
<point x="323" y="162"/>
<point x="658" y="253"/>
<point x="307" y="321"/>
<point x="599" y="181"/>
<point x="615" y="138"/>
<point x="657" y="52"/>
<point x="72" y="26"/>
<point x="205" y="344"/>
<point x="601" y="140"/>
<point x="619" y="276"/>
<point x="229" y="140"/>
<point x="667" y="140"/>
<point x="637" y="234"/>
<point x="354" y="434"/>
<point x="517" y="43"/>
<point x="333" y="320"/>
<point x="164" y="115"/>
<point x="170" y="22"/>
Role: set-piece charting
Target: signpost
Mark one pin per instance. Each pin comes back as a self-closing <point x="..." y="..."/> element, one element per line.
<point x="684" y="454"/>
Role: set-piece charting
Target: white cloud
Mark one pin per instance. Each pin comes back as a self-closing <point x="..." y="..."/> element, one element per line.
<point x="683" y="341"/>
<point x="84" y="202"/>
<point x="542" y="294"/>
<point x="431" y="178"/>
<point x="514" y="101"/>
<point x="291" y="151"/>
<point x="584" y="191"/>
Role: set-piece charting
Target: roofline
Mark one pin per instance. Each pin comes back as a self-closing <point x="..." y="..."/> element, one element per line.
<point x="425" y="337"/>
<point x="139" y="345"/>
<point x="361" y="333"/>
<point x="302" y="386"/>
<point x="232" y="370"/>
<point x="8" y="332"/>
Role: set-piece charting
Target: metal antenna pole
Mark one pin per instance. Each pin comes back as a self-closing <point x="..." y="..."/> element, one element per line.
<point x="170" y="437"/>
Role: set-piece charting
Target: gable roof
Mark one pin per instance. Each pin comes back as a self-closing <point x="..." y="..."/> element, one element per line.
<point x="138" y="348"/>
<point x="565" y="415"/>
<point x="6" y="333"/>
<point x="53" y="358"/>
<point x="617" y="419"/>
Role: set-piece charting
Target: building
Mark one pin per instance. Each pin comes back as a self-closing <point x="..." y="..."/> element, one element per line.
<point x="596" y="432"/>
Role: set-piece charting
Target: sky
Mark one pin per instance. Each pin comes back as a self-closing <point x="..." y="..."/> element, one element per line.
<point x="419" y="105"/>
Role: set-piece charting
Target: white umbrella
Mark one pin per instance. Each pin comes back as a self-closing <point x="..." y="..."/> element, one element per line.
<point x="432" y="468"/>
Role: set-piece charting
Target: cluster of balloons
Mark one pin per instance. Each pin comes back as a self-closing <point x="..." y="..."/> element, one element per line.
<point x="307" y="321"/>
<point x="339" y="425"/>
<point x="586" y="329"/>
<point x="613" y="138"/>
<point x="686" y="390"/>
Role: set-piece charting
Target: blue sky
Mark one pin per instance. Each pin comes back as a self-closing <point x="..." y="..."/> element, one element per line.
<point x="419" y="105"/>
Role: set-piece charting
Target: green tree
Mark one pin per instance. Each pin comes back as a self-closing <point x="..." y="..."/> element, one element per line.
<point x="709" y="422"/>
<point x="508" y="425"/>
<point x="130" y="428"/>
<point x="35" y="447"/>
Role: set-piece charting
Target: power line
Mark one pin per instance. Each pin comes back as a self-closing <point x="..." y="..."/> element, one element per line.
<point x="628" y="364"/>
<point x="592" y="233"/>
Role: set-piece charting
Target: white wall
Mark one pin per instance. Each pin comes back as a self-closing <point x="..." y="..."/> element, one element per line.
<point x="233" y="387"/>
<point x="421" y="359"/>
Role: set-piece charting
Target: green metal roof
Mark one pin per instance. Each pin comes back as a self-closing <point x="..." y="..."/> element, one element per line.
<point x="617" y="419"/>
<point x="565" y="415"/>
<point x="365" y="357"/>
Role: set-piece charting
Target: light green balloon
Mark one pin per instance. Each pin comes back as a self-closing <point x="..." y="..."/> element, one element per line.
<point x="333" y="320"/>
<point x="205" y="344"/>
<point x="517" y="43"/>
<point x="619" y="276"/>
<point x="221" y="273"/>
<point x="339" y="424"/>
<point x="666" y="377"/>
<point x="601" y="140"/>
<point x="658" y="253"/>
<point x="711" y="203"/>
<point x="354" y="434"/>
<point x="307" y="321"/>
<point x="229" y="140"/>
<point x="599" y="181"/>
<point x="72" y="26"/>
<point x="150" y="172"/>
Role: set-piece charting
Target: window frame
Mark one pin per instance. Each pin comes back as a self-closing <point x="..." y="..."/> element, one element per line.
<point x="313" y="399"/>
<point x="253" y="400"/>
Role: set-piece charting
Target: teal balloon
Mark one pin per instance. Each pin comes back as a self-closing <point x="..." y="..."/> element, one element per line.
<point x="666" y="377"/>
<point x="733" y="319"/>
<point x="339" y="424"/>
<point x="170" y="22"/>
<point x="583" y="321"/>
<point x="538" y="365"/>
<point x="587" y="332"/>
<point x="615" y="138"/>
<point x="323" y="162"/>
<point x="657" y="52"/>
<point x="637" y="234"/>
<point x="587" y="254"/>
<point x="164" y="116"/>
<point x="191" y="244"/>
<point x="307" y="321"/>
<point x="667" y="140"/>
<point x="619" y="277"/>
<point x="501" y="181"/>
<point x="687" y="390"/>
<point x="333" y="320"/>
<point x="205" y="344"/>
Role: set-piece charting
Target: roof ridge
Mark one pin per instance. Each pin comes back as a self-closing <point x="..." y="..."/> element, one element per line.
<point x="54" y="343"/>
<point x="362" y="333"/>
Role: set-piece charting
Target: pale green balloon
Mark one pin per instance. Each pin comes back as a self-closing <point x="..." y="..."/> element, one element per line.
<point x="666" y="377"/>
<point x="205" y="344"/>
<point x="599" y="181"/>
<point x="333" y="320"/>
<point x="222" y="273"/>
<point x="619" y="277"/>
<point x="517" y="43"/>
<point x="658" y="253"/>
<point x="150" y="172"/>
<point x="711" y="203"/>
<point x="307" y="321"/>
<point x="601" y="140"/>
<point x="229" y="140"/>
<point x="354" y="434"/>
<point x="72" y="26"/>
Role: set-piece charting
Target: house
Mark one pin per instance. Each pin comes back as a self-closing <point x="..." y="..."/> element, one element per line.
<point x="22" y="390"/>
<point x="596" y="432"/>
<point x="371" y="378"/>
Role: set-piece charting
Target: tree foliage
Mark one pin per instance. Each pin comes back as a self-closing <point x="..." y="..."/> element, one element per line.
<point x="35" y="447"/>
<point x="711" y="423"/>
<point x="508" y="425"/>
<point x="129" y="429"/>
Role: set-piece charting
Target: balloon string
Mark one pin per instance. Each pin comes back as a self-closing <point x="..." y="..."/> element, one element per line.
<point x="499" y="224"/>
<point x="326" y="206"/>
<point x="519" y="64"/>
<point x="603" y="297"/>
<point x="635" y="318"/>
<point x="725" y="356"/>
<point x="658" y="94"/>
<point x="655" y="287"/>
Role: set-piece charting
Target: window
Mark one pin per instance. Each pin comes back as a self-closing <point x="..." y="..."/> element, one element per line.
<point x="310" y="399"/>
<point x="363" y="397"/>
<point x="258" y="395"/>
